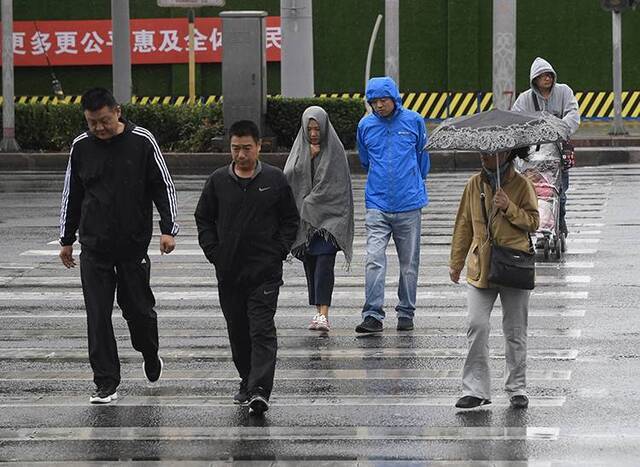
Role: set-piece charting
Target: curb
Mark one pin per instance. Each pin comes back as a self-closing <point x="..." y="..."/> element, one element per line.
<point x="205" y="163"/>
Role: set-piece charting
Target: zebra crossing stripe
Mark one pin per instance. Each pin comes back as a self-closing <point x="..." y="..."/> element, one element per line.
<point x="283" y="433"/>
<point x="285" y="295"/>
<point x="285" y="313"/>
<point x="425" y="252"/>
<point x="277" y="400"/>
<point x="191" y="240"/>
<point x="290" y="282"/>
<point x="286" y="333"/>
<point x="282" y="375"/>
<point x="217" y="354"/>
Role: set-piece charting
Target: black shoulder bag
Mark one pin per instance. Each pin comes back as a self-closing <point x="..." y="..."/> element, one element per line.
<point x="509" y="267"/>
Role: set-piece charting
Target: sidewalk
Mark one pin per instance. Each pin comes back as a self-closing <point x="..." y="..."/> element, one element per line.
<point x="594" y="146"/>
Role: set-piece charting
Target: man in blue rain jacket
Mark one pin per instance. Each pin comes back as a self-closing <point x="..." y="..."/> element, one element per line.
<point x="391" y="144"/>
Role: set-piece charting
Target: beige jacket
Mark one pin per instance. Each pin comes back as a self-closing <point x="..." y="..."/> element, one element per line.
<point x="510" y="228"/>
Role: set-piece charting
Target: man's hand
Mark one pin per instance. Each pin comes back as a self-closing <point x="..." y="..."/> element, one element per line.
<point x="66" y="255"/>
<point x="501" y="200"/>
<point x="167" y="244"/>
<point x="454" y="275"/>
<point x="315" y="150"/>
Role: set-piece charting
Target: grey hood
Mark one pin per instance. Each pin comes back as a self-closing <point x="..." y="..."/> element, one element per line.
<point x="561" y="102"/>
<point x="539" y="66"/>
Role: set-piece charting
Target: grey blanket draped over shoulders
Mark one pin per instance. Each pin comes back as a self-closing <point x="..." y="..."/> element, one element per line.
<point x="322" y="189"/>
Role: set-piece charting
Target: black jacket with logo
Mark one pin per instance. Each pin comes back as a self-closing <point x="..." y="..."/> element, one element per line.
<point x="109" y="189"/>
<point x="246" y="232"/>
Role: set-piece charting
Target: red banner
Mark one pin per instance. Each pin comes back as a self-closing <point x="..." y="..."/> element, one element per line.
<point x="156" y="40"/>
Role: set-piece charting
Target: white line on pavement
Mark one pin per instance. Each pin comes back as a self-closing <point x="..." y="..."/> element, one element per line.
<point x="338" y="295"/>
<point x="282" y="375"/>
<point x="211" y="353"/>
<point x="293" y="433"/>
<point x="278" y="400"/>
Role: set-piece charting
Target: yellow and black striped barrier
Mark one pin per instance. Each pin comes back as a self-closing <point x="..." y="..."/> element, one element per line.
<point x="594" y="105"/>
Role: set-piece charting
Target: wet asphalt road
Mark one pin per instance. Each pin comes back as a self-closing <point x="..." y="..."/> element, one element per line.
<point x="342" y="398"/>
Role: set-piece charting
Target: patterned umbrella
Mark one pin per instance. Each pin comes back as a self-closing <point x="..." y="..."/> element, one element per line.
<point x="497" y="130"/>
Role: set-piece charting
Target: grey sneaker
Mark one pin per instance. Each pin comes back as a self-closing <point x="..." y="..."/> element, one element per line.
<point x="405" y="324"/>
<point x="242" y="396"/>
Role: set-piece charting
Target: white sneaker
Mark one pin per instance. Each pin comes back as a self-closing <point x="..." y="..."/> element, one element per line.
<point x="322" y="323"/>
<point x="314" y="323"/>
<point x="103" y="396"/>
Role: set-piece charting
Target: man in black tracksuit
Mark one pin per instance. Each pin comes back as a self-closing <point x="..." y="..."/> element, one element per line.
<point x="247" y="221"/>
<point x="115" y="172"/>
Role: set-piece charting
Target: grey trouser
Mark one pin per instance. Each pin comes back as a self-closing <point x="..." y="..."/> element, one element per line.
<point x="476" y="375"/>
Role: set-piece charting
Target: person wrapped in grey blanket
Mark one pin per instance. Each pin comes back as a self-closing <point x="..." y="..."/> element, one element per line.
<point x="318" y="172"/>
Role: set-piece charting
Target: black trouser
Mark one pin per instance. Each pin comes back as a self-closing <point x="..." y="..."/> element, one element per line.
<point x="101" y="277"/>
<point x="320" y="278"/>
<point x="249" y="312"/>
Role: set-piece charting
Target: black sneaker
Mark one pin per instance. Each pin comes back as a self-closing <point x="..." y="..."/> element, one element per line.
<point x="470" y="402"/>
<point x="370" y="324"/>
<point x="152" y="369"/>
<point x="405" y="324"/>
<point x="103" y="395"/>
<point x="519" y="402"/>
<point x="258" y="404"/>
<point x="242" y="396"/>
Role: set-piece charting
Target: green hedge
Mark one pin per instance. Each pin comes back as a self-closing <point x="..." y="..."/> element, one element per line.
<point x="48" y="127"/>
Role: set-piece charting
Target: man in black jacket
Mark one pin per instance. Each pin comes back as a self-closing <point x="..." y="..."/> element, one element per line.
<point x="115" y="172"/>
<point x="247" y="221"/>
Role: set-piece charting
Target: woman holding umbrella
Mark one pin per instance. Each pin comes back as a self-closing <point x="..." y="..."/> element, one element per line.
<point x="498" y="205"/>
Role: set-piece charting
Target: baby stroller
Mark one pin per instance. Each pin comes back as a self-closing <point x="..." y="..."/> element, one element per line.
<point x="543" y="167"/>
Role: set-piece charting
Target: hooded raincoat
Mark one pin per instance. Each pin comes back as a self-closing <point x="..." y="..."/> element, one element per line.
<point x="392" y="150"/>
<point x="561" y="102"/>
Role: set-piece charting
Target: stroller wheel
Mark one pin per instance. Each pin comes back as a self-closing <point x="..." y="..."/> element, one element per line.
<point x="547" y="249"/>
<point x="557" y="248"/>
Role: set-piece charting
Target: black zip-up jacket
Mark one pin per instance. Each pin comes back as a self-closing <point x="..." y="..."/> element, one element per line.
<point x="246" y="233"/>
<point x="108" y="193"/>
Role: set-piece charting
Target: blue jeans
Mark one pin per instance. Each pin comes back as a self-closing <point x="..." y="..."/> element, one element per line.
<point x="405" y="228"/>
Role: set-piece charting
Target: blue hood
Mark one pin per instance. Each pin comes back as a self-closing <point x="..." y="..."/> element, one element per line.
<point x="383" y="87"/>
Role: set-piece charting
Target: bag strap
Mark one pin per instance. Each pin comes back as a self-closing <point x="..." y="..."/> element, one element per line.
<point x="484" y="214"/>
<point x="536" y="105"/>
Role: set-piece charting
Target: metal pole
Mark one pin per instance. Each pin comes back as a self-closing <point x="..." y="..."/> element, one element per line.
<point x="367" y="71"/>
<point x="296" y="64"/>
<point x="121" y="52"/>
<point x="192" y="56"/>
<point x="616" y="28"/>
<point x="8" y="143"/>
<point x="392" y="40"/>
<point x="504" y="53"/>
